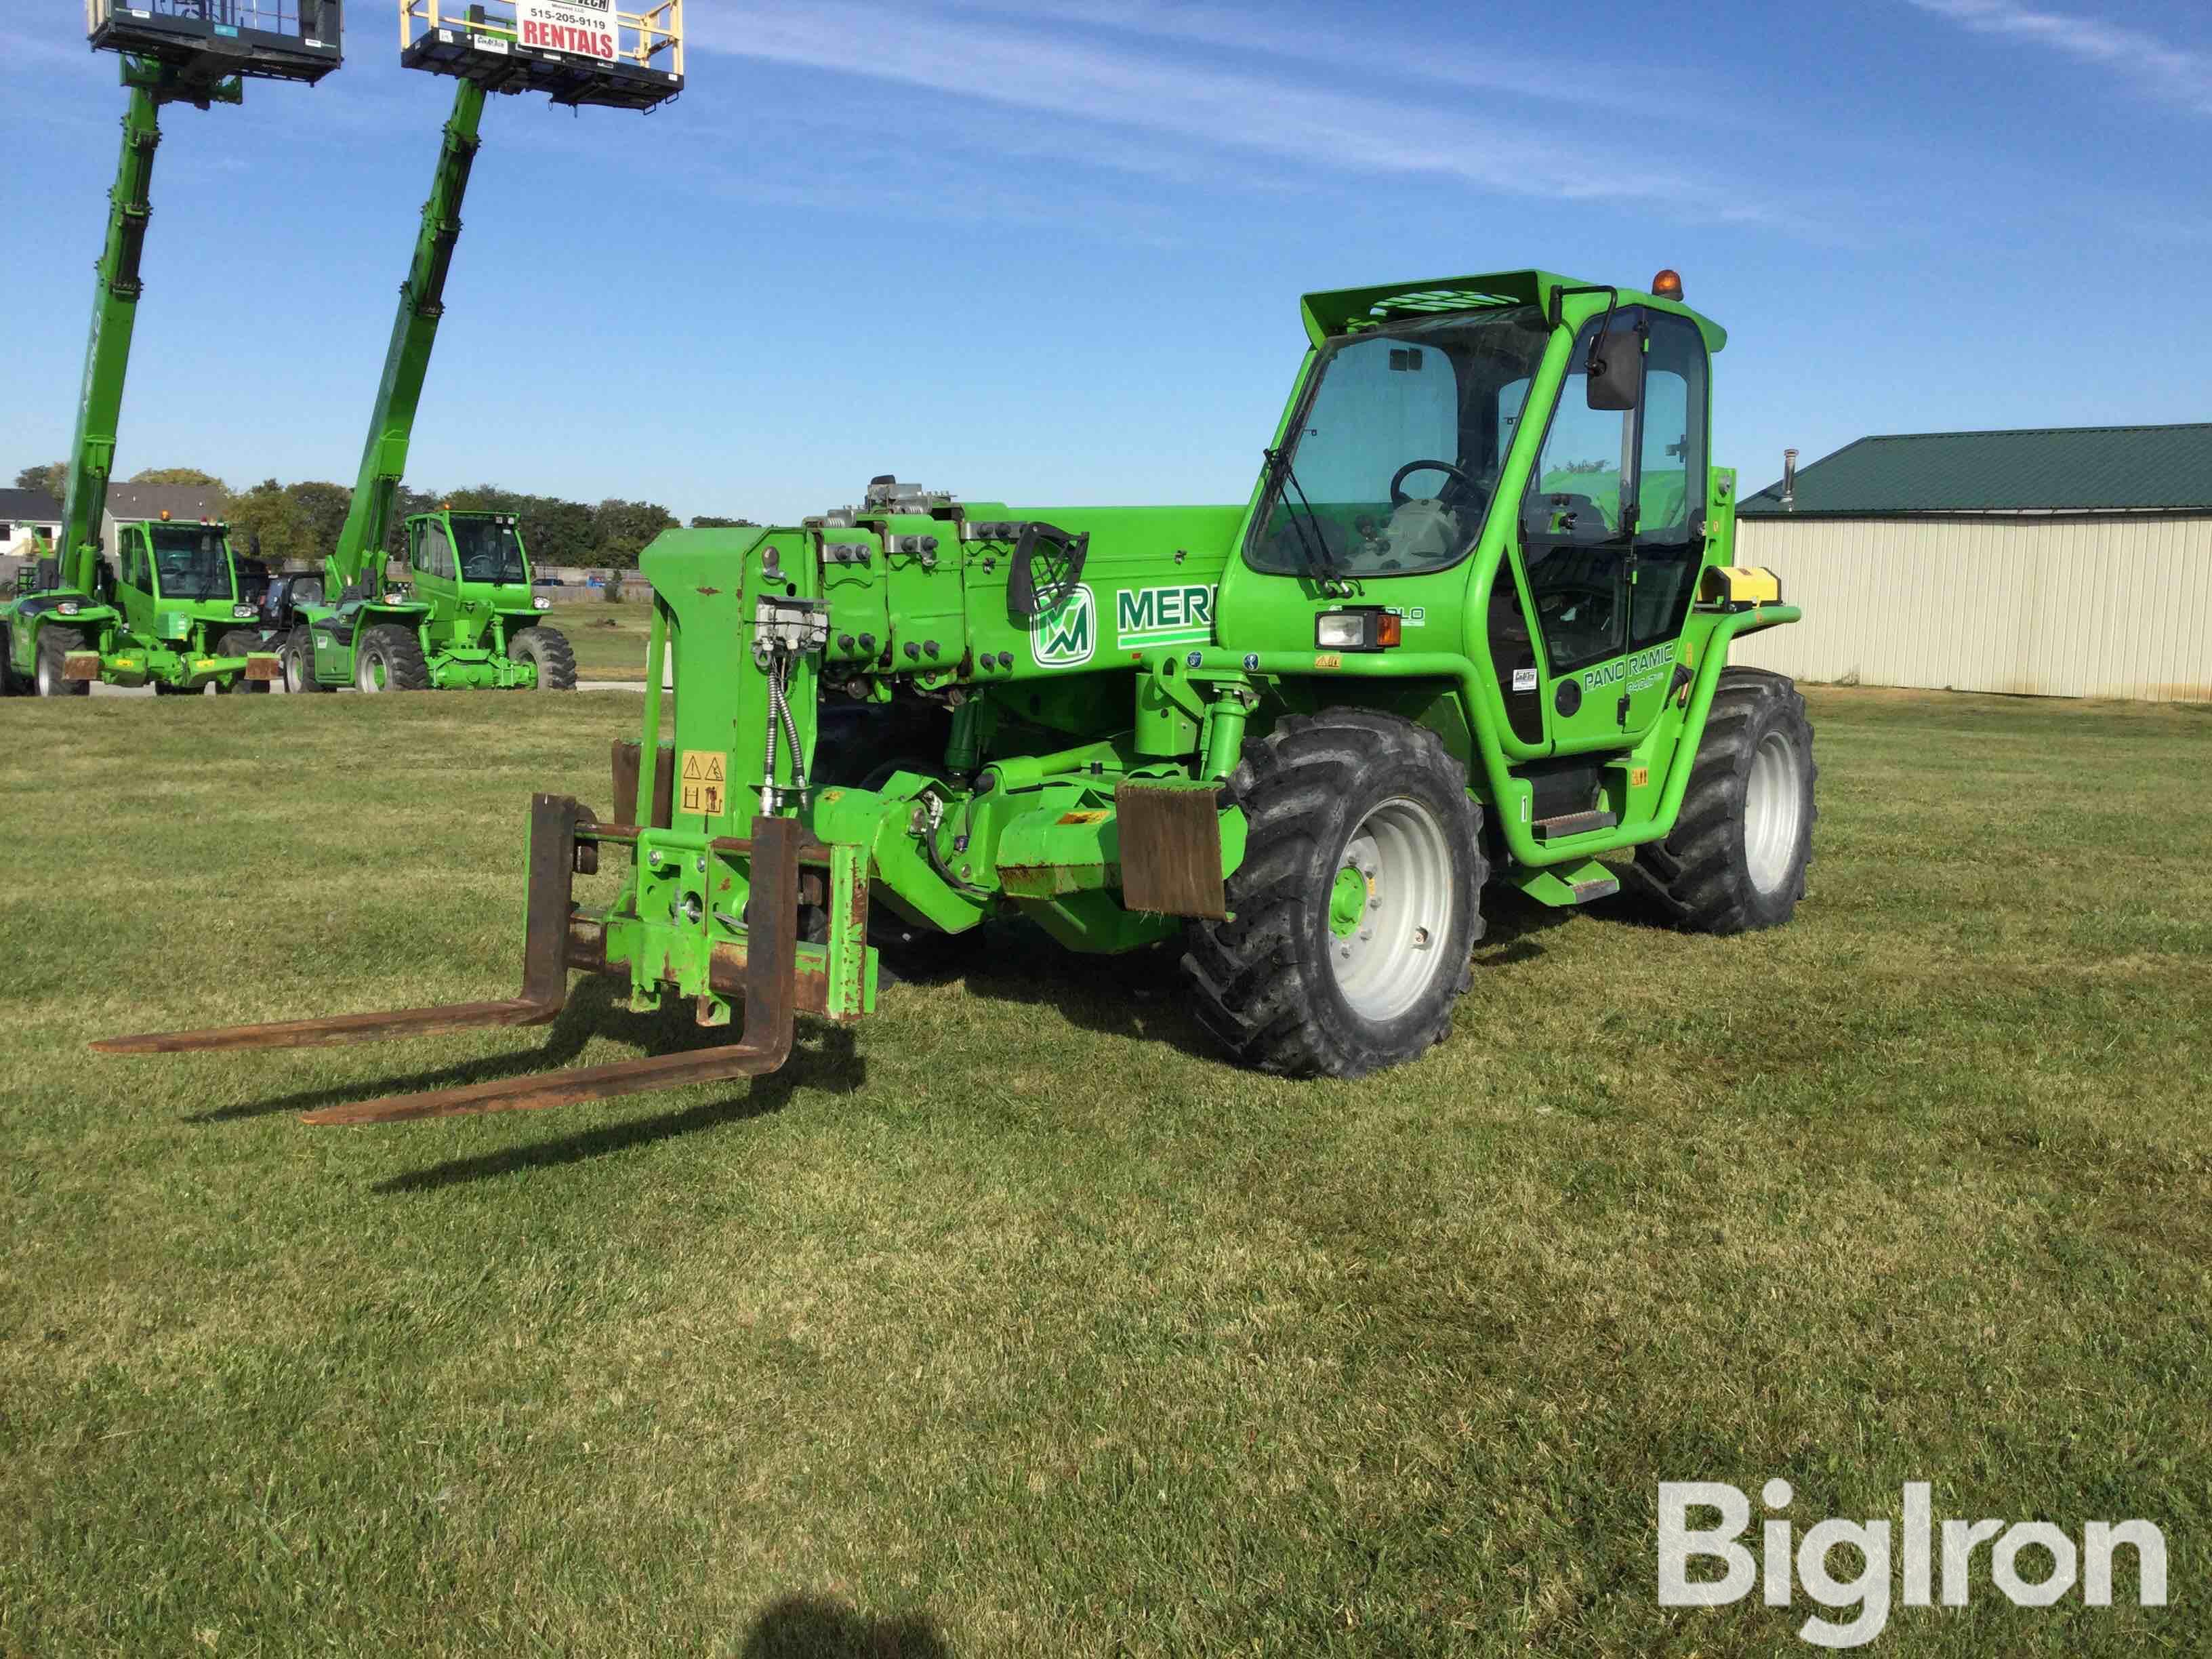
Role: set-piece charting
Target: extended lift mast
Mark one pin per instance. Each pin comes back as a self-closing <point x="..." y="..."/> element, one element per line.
<point x="171" y="53"/>
<point x="459" y="628"/>
<point x="407" y="362"/>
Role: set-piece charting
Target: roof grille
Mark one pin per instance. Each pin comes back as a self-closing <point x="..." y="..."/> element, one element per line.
<point x="1439" y="300"/>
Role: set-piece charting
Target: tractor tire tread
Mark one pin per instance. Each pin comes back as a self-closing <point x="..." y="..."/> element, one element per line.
<point x="1256" y="979"/>
<point x="1697" y="876"/>
<point x="55" y="644"/>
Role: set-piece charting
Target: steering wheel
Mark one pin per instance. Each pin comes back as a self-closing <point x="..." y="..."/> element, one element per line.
<point x="1556" y="601"/>
<point x="1450" y="469"/>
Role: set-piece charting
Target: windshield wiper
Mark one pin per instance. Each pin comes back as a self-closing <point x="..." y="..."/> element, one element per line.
<point x="1313" y="542"/>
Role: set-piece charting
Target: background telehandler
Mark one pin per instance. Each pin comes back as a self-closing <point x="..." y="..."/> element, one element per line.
<point x="169" y="612"/>
<point x="467" y="617"/>
<point x="1472" y="625"/>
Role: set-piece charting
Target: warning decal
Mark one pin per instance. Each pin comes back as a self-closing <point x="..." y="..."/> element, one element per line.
<point x="705" y="772"/>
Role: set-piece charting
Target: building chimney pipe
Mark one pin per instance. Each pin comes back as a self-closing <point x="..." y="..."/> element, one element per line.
<point x="1789" y="478"/>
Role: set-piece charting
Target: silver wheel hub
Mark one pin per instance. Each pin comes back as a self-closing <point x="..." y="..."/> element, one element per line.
<point x="1386" y="957"/>
<point x="1773" y="811"/>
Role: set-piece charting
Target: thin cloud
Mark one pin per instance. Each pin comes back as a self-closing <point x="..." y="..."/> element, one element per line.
<point x="1232" y="110"/>
<point x="2173" y="74"/>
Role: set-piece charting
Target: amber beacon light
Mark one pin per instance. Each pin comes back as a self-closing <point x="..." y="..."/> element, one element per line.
<point x="1668" y="285"/>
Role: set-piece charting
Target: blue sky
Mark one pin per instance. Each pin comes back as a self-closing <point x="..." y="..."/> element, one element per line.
<point x="1052" y="251"/>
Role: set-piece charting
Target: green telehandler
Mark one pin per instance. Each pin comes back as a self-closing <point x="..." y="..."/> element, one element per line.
<point x="467" y="615"/>
<point x="168" y="613"/>
<point x="1472" y="626"/>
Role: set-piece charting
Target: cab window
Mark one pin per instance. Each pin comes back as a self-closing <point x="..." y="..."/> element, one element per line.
<point x="1613" y="525"/>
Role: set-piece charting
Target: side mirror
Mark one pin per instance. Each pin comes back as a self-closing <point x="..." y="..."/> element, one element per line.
<point x="1616" y="371"/>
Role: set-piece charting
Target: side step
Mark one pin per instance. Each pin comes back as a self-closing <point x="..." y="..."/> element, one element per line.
<point x="1573" y="823"/>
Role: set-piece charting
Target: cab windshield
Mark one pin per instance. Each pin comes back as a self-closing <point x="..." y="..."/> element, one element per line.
<point x="490" y="551"/>
<point x="1399" y="446"/>
<point x="192" y="562"/>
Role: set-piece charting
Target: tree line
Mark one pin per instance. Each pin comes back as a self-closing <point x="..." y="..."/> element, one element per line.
<point x="299" y="523"/>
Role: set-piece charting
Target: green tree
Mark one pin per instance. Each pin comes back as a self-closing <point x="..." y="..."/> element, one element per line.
<point x="322" y="513"/>
<point x="51" y="479"/>
<point x="708" y="521"/>
<point x="180" y="474"/>
<point x="623" y="529"/>
<point x="266" y="523"/>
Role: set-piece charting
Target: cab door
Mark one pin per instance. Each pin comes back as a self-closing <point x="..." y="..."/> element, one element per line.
<point x="430" y="557"/>
<point x="1672" y="511"/>
<point x="134" y="589"/>
<point x="1612" y="532"/>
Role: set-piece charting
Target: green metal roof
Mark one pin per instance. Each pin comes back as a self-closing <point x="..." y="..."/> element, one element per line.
<point x="2082" y="469"/>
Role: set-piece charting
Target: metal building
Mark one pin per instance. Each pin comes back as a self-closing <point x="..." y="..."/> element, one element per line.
<point x="2074" y="563"/>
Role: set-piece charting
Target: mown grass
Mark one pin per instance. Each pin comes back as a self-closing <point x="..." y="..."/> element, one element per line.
<point x="1013" y="1321"/>
<point x="610" y="640"/>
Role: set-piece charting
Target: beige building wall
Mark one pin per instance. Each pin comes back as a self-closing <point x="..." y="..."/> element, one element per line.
<point x="2118" y="606"/>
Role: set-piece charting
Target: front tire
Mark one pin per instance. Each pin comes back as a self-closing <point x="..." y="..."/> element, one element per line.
<point x="298" y="657"/>
<point x="548" y="649"/>
<point x="55" y="644"/>
<point x="239" y="643"/>
<point x="1357" y="906"/>
<point x="12" y="684"/>
<point x="1736" y="859"/>
<point x="390" y="658"/>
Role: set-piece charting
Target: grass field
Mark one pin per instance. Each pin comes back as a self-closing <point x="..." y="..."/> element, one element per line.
<point x="610" y="639"/>
<point x="1015" y="1322"/>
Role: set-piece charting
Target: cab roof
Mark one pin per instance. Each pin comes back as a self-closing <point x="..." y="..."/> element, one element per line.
<point x="1347" y="310"/>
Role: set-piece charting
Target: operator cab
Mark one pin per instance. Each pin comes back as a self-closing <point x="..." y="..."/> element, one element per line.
<point x="483" y="548"/>
<point x="207" y="42"/>
<point x="183" y="563"/>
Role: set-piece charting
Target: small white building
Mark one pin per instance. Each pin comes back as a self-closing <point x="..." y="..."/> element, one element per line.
<point x="26" y="515"/>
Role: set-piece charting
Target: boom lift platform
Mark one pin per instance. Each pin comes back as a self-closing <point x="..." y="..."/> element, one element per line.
<point x="1297" y="736"/>
<point x="469" y="616"/>
<point x="77" y="621"/>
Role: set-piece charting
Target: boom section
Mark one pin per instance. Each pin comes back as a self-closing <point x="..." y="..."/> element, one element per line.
<point x="407" y="358"/>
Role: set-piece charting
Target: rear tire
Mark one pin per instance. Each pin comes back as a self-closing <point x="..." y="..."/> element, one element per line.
<point x="1736" y="860"/>
<point x="12" y="684"/>
<point x="239" y="643"/>
<point x="298" y="657"/>
<point x="55" y="644"/>
<point x="390" y="658"/>
<point x="1357" y="906"/>
<point x="548" y="648"/>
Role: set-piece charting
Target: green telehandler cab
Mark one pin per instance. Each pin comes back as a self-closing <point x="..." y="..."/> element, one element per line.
<point x="79" y="621"/>
<point x="467" y="615"/>
<point x="1472" y="625"/>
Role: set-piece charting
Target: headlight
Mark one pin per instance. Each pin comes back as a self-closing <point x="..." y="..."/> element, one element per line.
<point x="241" y="613"/>
<point x="1369" y="628"/>
<point x="541" y="604"/>
<point x="67" y="607"/>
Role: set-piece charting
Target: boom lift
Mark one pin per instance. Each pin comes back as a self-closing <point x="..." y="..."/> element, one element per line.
<point x="168" y="614"/>
<point x="1298" y="735"/>
<point x="469" y="616"/>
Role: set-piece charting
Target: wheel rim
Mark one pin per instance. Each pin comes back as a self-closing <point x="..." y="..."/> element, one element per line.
<point x="1773" y="809"/>
<point x="372" y="671"/>
<point x="45" y="678"/>
<point x="1390" y="905"/>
